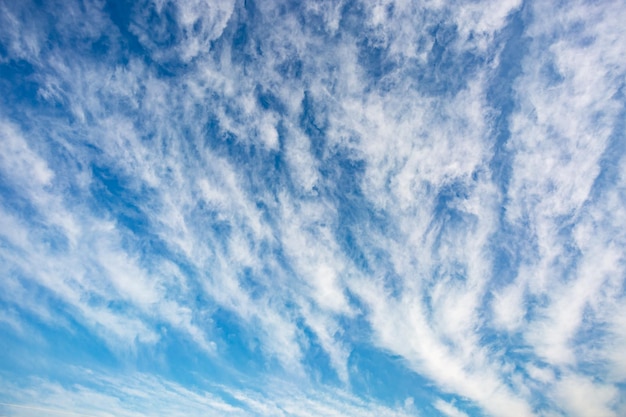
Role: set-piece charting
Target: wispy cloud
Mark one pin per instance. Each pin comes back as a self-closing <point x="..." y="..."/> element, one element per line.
<point x="272" y="187"/>
<point x="449" y="409"/>
<point x="144" y="395"/>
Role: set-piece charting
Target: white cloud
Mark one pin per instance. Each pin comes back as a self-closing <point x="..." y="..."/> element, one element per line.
<point x="449" y="409"/>
<point x="545" y="375"/>
<point x="20" y="162"/>
<point x="509" y="307"/>
<point x="559" y="137"/>
<point x="198" y="22"/>
<point x="137" y="394"/>
<point x="581" y="397"/>
<point x="479" y="22"/>
<point x="303" y="166"/>
<point x="413" y="338"/>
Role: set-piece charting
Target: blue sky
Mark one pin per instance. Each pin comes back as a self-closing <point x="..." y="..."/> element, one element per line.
<point x="320" y="208"/>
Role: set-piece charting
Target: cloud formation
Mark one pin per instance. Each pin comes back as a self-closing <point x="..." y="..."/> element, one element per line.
<point x="327" y="208"/>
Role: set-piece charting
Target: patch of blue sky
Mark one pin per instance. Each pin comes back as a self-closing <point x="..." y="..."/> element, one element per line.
<point x="14" y="202"/>
<point x="511" y="244"/>
<point x="501" y="93"/>
<point x="239" y="354"/>
<point x="113" y="194"/>
<point x="316" y="360"/>
<point x="446" y="71"/>
<point x="383" y="376"/>
<point x="41" y="347"/>
<point x="313" y="122"/>
<point x="612" y="156"/>
<point x="17" y="83"/>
